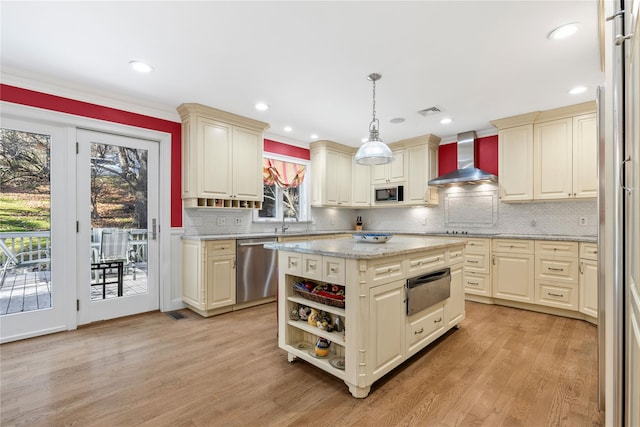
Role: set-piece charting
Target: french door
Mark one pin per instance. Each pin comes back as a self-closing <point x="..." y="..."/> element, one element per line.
<point x="117" y="229"/>
<point x="34" y="274"/>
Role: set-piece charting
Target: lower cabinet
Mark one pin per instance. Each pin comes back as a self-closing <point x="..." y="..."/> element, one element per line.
<point x="454" y="306"/>
<point x="589" y="279"/>
<point x="513" y="270"/>
<point x="386" y="320"/>
<point x="209" y="275"/>
<point x="557" y="274"/>
<point x="477" y="267"/>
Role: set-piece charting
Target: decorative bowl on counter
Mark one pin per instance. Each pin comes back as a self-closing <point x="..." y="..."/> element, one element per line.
<point x="372" y="237"/>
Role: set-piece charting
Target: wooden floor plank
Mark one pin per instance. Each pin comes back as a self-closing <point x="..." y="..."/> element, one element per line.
<point x="502" y="367"/>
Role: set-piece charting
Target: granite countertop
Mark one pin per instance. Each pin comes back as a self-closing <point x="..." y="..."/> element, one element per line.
<point x="350" y="248"/>
<point x="557" y="237"/>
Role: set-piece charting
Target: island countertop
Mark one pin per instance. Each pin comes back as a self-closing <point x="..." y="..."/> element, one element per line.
<point x="351" y="248"/>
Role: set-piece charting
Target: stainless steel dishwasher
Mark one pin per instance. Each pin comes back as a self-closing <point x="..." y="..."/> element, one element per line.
<point x="257" y="270"/>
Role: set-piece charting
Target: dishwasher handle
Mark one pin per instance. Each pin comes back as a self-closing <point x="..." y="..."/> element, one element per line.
<point x="429" y="277"/>
<point x="254" y="244"/>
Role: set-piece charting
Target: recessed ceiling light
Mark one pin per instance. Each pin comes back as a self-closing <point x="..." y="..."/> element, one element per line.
<point x="140" y="66"/>
<point x="261" y="106"/>
<point x="445" y="121"/>
<point x="563" y="31"/>
<point x="578" y="90"/>
<point x="314" y="136"/>
<point x="397" y="120"/>
<point x="287" y="129"/>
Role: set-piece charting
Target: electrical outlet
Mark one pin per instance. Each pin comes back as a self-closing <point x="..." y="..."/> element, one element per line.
<point x="222" y="221"/>
<point x="583" y="221"/>
<point x="424" y="221"/>
<point x="238" y="221"/>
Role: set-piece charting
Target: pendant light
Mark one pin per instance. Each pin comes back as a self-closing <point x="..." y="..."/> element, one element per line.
<point x="374" y="151"/>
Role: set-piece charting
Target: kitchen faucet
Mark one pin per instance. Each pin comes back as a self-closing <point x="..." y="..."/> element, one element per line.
<point x="284" y="228"/>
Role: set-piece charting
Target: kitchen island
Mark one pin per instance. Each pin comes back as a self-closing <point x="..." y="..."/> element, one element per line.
<point x="377" y="330"/>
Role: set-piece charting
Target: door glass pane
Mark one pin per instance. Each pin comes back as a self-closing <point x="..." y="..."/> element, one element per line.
<point x="118" y="221"/>
<point x="25" y="222"/>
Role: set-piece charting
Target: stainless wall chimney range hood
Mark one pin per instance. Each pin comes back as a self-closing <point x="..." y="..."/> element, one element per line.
<point x="467" y="172"/>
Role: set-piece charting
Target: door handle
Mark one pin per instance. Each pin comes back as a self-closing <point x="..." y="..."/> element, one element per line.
<point x="154" y="226"/>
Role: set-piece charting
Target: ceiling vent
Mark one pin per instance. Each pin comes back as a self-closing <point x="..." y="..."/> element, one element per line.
<point x="430" y="111"/>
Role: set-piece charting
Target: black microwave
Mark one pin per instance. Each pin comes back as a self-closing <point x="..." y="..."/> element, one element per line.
<point x="389" y="194"/>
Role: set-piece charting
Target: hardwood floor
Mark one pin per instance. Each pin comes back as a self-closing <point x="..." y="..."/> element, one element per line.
<point x="503" y="367"/>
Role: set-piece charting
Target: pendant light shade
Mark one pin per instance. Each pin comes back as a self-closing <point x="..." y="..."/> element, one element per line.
<point x="374" y="151"/>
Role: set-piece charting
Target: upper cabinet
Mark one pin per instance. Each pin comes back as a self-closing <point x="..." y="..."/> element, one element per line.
<point x="422" y="165"/>
<point x="394" y="172"/>
<point x="548" y="155"/>
<point x="221" y="158"/>
<point x="331" y="174"/>
<point x="336" y="180"/>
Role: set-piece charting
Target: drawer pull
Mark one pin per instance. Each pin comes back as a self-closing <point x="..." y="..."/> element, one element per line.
<point x="312" y="266"/>
<point x="473" y="283"/>
<point x="332" y="269"/>
<point x="419" y="331"/>
<point x="294" y="263"/>
<point x="555" y="269"/>
<point x="438" y="321"/>
<point x="555" y="295"/>
<point x="471" y="261"/>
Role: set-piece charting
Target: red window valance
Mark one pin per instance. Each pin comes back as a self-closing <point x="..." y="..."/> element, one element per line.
<point x="284" y="174"/>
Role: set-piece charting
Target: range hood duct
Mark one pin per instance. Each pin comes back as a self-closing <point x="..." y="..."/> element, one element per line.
<point x="467" y="172"/>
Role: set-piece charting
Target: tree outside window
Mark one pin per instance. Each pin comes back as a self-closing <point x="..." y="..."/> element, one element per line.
<point x="284" y="194"/>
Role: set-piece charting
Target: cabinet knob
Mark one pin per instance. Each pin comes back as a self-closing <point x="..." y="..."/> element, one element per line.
<point x="419" y="331"/>
<point x="438" y="320"/>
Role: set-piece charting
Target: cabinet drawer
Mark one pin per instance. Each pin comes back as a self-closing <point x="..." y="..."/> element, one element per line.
<point x="292" y="263"/>
<point x="560" y="269"/>
<point x="426" y="261"/>
<point x="220" y="247"/>
<point x="455" y="255"/>
<point x="478" y="263"/>
<point x="423" y="326"/>
<point x="385" y="269"/>
<point x="477" y="284"/>
<point x="589" y="251"/>
<point x="333" y="270"/>
<point x="312" y="266"/>
<point x="513" y="246"/>
<point x="555" y="294"/>
<point x="556" y="248"/>
<point x="478" y="245"/>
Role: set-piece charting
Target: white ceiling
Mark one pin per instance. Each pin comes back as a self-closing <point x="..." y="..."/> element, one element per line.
<point x="476" y="60"/>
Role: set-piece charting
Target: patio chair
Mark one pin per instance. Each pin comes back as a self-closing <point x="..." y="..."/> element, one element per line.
<point x="115" y="252"/>
<point x="25" y="259"/>
<point x="115" y="245"/>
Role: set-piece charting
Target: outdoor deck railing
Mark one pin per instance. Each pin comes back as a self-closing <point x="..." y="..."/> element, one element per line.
<point x="30" y="246"/>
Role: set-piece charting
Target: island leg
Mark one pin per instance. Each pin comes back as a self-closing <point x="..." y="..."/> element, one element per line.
<point x="358" y="392"/>
<point x="291" y="357"/>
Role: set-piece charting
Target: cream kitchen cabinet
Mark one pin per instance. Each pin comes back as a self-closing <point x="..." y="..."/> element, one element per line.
<point x="477" y="267"/>
<point x="422" y="165"/>
<point x="331" y="169"/>
<point x="360" y="185"/>
<point x="513" y="270"/>
<point x="454" y="306"/>
<point x="548" y="155"/>
<point x="515" y="163"/>
<point x="557" y="274"/>
<point x="394" y="172"/>
<point x="565" y="158"/>
<point x="589" y="279"/>
<point x="222" y="158"/>
<point x="386" y="320"/>
<point x="209" y="275"/>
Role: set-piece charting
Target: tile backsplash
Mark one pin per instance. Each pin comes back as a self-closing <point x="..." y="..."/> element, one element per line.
<point x="473" y="208"/>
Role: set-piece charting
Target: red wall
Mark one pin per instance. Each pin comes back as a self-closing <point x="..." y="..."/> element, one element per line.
<point x="286" y="150"/>
<point x="486" y="155"/>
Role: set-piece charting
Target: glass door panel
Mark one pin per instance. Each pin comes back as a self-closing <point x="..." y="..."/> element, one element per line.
<point x="119" y="202"/>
